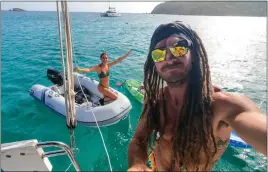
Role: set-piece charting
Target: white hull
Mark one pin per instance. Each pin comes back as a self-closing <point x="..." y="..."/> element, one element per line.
<point x="110" y="15"/>
<point x="106" y="115"/>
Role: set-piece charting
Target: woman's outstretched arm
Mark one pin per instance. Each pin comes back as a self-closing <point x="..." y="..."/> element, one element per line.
<point x="93" y="69"/>
<point x="119" y="59"/>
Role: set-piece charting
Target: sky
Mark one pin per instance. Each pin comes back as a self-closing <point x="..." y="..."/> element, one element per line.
<point x="121" y="7"/>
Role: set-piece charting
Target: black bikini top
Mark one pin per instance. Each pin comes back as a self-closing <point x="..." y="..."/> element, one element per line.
<point x="103" y="74"/>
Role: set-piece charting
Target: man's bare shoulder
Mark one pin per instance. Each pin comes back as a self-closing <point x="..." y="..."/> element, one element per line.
<point x="221" y="97"/>
<point x="222" y="130"/>
<point x="231" y="104"/>
<point x="220" y="101"/>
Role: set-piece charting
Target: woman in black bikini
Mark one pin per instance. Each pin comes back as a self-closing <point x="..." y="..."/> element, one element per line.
<point x="103" y="73"/>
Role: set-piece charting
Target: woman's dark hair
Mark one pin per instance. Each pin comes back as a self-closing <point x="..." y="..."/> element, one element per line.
<point x="103" y="54"/>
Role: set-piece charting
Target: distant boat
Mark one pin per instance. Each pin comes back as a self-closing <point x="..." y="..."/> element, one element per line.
<point x="111" y="13"/>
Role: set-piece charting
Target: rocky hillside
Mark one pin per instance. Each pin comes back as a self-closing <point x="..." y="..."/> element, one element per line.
<point x="213" y="8"/>
<point x="16" y="9"/>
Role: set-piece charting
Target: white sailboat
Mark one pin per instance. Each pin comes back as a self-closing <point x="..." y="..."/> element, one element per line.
<point x="28" y="155"/>
<point x="111" y="12"/>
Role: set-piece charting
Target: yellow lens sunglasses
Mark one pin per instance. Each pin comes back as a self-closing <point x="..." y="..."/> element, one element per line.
<point x="178" y="49"/>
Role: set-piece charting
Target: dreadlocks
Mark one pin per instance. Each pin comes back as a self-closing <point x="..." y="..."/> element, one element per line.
<point x="194" y="131"/>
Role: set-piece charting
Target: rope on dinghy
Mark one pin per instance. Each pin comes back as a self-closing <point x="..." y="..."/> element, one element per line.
<point x="104" y="145"/>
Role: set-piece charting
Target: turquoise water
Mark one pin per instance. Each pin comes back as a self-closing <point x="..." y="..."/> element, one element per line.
<point x="237" y="53"/>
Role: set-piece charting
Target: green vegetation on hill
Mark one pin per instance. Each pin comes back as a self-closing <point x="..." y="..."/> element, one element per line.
<point x="213" y="8"/>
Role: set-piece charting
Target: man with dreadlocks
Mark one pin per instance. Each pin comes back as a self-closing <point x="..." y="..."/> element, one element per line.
<point x="190" y="120"/>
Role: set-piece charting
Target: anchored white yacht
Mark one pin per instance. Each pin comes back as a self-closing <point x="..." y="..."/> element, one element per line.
<point x="111" y="13"/>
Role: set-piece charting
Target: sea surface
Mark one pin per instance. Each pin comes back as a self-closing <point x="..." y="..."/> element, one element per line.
<point x="236" y="48"/>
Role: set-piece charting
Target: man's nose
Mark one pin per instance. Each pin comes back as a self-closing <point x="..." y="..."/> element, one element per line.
<point x="169" y="55"/>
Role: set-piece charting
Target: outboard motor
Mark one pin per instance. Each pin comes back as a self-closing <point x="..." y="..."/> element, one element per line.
<point x="55" y="76"/>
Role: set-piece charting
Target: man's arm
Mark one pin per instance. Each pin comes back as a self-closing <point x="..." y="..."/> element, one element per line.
<point x="251" y="127"/>
<point x="245" y="118"/>
<point x="137" y="150"/>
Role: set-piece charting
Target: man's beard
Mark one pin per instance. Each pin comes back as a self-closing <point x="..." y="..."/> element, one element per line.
<point x="175" y="81"/>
